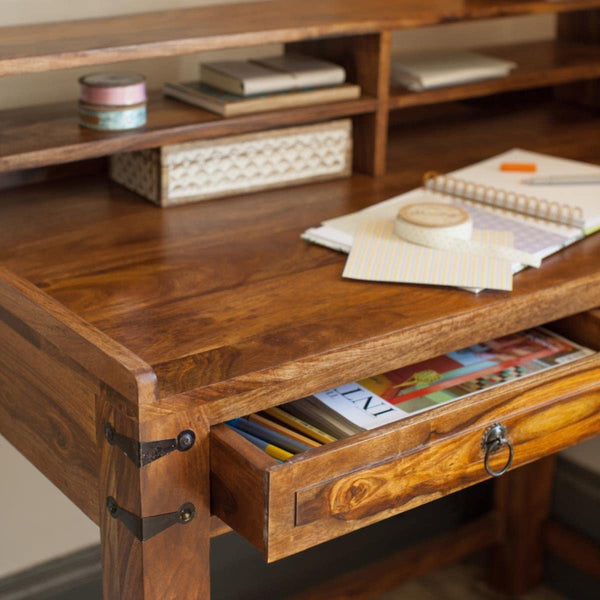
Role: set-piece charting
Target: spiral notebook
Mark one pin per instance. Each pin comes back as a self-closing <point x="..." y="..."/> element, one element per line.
<point x="577" y="205"/>
<point x="542" y="219"/>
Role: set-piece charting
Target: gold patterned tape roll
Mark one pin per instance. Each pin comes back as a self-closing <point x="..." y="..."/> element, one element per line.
<point x="448" y="227"/>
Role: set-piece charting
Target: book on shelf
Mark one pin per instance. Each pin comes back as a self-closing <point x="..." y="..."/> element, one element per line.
<point x="244" y="78"/>
<point x="230" y="105"/>
<point x="307" y="71"/>
<point x="375" y="401"/>
<point x="542" y="219"/>
<point x="427" y="70"/>
<point x="281" y="73"/>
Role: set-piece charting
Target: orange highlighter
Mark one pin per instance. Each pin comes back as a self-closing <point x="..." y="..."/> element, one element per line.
<point x="520" y="167"/>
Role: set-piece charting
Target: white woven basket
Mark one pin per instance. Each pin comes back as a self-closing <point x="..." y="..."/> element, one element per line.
<point x="231" y="165"/>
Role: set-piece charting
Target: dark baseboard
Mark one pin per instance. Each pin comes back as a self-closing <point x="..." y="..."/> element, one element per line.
<point x="76" y="576"/>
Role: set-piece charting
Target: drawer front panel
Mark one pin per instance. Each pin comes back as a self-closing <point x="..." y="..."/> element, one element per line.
<point x="449" y="465"/>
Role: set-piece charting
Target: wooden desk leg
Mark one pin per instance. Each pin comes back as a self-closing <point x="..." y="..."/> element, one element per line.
<point x="522" y="499"/>
<point x="173" y="564"/>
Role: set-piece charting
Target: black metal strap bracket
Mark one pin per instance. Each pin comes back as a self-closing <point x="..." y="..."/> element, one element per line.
<point x="145" y="528"/>
<point x="143" y="453"/>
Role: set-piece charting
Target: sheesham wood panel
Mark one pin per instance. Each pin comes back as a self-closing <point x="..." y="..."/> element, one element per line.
<point x="238" y="472"/>
<point x="52" y="365"/>
<point x="174" y="564"/>
<point x="51" y="134"/>
<point x="46" y="411"/>
<point x="366" y="59"/>
<point x="214" y="305"/>
<point x="34" y="48"/>
<point x="572" y="547"/>
<point x="523" y="499"/>
<point x="583" y="27"/>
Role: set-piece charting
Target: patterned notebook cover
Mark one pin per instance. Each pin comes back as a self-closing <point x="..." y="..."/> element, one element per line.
<point x="378" y="254"/>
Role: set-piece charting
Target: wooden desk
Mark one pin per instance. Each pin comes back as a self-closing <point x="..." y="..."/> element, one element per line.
<point x="120" y="321"/>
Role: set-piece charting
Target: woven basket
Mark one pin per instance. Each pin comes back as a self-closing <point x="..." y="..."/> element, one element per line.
<point x="183" y="173"/>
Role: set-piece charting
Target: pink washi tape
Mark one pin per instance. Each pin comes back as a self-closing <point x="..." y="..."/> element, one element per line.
<point x="113" y="89"/>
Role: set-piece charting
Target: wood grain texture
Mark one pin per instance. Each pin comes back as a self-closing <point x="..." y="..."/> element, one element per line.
<point x="572" y="547"/>
<point x="522" y="498"/>
<point x="52" y="365"/>
<point x="229" y="316"/>
<point x="580" y="27"/>
<point x="239" y="484"/>
<point x="539" y="64"/>
<point x="73" y="336"/>
<point x="46" y="411"/>
<point x="337" y="488"/>
<point x="34" y="48"/>
<point x="373" y="580"/>
<point x="584" y="327"/>
<point x="366" y="59"/>
<point x="51" y="134"/>
<point x="174" y="564"/>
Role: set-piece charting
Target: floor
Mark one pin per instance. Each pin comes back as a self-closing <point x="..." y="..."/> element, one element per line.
<point x="460" y="581"/>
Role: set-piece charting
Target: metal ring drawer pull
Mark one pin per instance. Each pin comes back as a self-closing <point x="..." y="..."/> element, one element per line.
<point x="495" y="438"/>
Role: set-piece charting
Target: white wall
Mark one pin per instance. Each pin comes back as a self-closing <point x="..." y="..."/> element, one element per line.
<point x="37" y="522"/>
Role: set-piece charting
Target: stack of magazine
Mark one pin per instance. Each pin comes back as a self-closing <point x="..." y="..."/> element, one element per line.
<point x="348" y="409"/>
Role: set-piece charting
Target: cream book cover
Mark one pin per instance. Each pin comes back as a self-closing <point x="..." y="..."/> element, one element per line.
<point x="427" y="70"/>
<point x="245" y="78"/>
<point x="307" y="71"/>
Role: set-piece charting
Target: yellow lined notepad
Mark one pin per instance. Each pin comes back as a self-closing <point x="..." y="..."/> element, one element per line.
<point x="378" y="254"/>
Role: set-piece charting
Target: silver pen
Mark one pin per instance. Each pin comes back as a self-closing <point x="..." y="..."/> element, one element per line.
<point x="563" y="180"/>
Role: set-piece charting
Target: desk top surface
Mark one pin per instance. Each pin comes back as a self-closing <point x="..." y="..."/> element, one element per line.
<point x="223" y="297"/>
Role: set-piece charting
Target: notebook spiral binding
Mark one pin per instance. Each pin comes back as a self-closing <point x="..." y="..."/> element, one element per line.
<point x="521" y="203"/>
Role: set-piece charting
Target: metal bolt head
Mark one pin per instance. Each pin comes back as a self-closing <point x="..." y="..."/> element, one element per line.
<point x="109" y="433"/>
<point x="185" y="440"/>
<point x="111" y="506"/>
<point x="186" y="513"/>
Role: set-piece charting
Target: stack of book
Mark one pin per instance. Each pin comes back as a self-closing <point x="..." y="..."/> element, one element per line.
<point x="346" y="410"/>
<point x="237" y="87"/>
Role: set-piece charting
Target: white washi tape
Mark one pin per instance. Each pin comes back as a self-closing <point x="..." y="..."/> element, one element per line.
<point x="448" y="227"/>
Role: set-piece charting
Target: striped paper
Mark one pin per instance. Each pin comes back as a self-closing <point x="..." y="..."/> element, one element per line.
<point x="378" y="254"/>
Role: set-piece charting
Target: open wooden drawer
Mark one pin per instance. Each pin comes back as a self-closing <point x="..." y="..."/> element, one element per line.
<point x="283" y="508"/>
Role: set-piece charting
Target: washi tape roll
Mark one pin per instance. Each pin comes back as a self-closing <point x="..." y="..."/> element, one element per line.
<point x="448" y="227"/>
<point x="112" y="118"/>
<point x="112" y="89"/>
